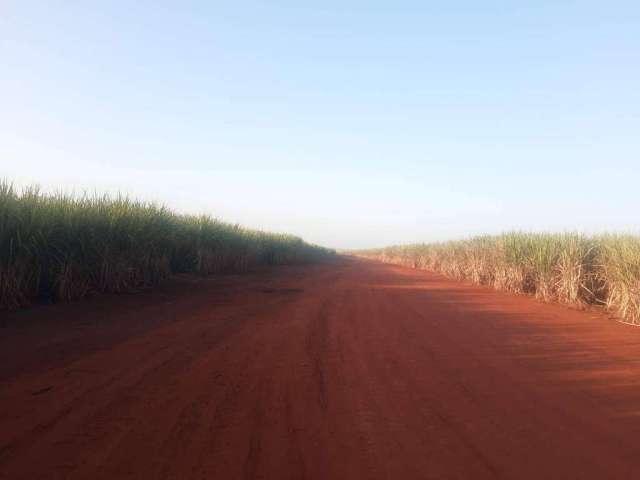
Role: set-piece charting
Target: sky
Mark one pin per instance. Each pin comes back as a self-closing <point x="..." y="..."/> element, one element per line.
<point x="353" y="124"/>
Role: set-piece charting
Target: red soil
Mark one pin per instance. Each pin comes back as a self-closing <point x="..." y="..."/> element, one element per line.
<point x="343" y="371"/>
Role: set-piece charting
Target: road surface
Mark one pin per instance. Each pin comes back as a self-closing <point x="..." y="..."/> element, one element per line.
<point x="350" y="370"/>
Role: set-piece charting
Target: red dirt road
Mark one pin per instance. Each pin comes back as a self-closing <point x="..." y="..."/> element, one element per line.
<point x="354" y="370"/>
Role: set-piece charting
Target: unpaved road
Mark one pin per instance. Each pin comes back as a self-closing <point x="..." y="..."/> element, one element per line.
<point x="354" y="370"/>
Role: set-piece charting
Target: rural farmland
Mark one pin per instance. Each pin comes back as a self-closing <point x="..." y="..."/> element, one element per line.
<point x="284" y="360"/>
<point x="336" y="240"/>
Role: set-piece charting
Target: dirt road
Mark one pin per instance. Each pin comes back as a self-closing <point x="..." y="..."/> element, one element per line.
<point x="354" y="370"/>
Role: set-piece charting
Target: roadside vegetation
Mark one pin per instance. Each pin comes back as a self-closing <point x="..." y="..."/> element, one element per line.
<point x="568" y="268"/>
<point x="61" y="247"/>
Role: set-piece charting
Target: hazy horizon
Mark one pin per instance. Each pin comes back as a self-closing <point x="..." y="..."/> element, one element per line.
<point x="352" y="127"/>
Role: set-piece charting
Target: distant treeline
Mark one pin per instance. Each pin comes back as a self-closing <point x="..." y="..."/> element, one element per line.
<point x="61" y="247"/>
<point x="565" y="267"/>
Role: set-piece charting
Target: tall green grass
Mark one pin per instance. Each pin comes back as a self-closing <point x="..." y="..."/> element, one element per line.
<point x="568" y="268"/>
<point x="60" y="247"/>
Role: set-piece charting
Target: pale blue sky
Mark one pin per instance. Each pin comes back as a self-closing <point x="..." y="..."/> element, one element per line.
<point x="352" y="124"/>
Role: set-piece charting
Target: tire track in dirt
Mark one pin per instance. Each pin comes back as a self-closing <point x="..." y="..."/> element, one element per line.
<point x="354" y="369"/>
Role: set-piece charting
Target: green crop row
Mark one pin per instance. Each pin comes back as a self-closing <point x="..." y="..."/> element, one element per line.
<point x="568" y="268"/>
<point x="60" y="247"/>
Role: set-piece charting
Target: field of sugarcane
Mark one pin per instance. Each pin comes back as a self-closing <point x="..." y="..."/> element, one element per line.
<point x="60" y="247"/>
<point x="568" y="268"/>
